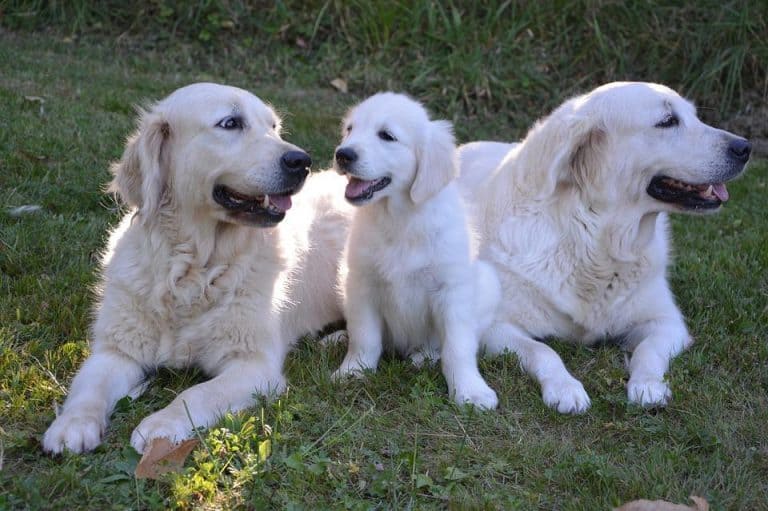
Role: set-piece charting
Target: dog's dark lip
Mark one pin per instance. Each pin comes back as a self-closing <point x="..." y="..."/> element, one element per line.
<point x="359" y="191"/>
<point x="687" y="196"/>
<point x="263" y="210"/>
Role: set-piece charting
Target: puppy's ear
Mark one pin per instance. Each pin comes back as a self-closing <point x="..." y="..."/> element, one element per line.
<point x="141" y="174"/>
<point x="437" y="163"/>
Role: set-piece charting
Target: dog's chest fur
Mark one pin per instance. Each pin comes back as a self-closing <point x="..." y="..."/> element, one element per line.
<point x="406" y="260"/>
<point x="578" y="280"/>
<point x="181" y="293"/>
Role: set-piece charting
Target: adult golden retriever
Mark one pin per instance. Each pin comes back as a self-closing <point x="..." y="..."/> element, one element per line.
<point x="574" y="219"/>
<point x="208" y="270"/>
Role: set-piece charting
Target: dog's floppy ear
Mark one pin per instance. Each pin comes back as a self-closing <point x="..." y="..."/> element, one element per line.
<point x="586" y="159"/>
<point x="562" y="149"/>
<point x="437" y="163"/>
<point x="141" y="174"/>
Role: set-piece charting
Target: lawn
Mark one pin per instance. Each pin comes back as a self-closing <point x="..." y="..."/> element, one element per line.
<point x="393" y="440"/>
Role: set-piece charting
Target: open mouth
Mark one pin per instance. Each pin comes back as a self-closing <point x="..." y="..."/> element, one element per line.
<point x="359" y="191"/>
<point x="265" y="209"/>
<point x="686" y="195"/>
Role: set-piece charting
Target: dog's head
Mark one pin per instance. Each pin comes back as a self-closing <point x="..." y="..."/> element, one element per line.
<point x="214" y="150"/>
<point x="391" y="147"/>
<point x="634" y="143"/>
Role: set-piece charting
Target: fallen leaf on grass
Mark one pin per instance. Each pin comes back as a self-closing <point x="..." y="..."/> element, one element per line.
<point x="162" y="456"/>
<point x="662" y="505"/>
<point x="340" y="85"/>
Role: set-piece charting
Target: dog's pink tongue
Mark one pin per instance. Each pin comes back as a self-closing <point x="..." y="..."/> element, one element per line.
<point x="281" y="202"/>
<point x="721" y="191"/>
<point x="356" y="187"/>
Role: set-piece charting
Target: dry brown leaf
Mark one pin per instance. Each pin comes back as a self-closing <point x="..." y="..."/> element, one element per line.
<point x="340" y="85"/>
<point x="662" y="505"/>
<point x="162" y="456"/>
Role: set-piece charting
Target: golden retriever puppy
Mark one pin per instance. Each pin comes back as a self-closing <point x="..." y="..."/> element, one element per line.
<point x="574" y="219"/>
<point x="411" y="281"/>
<point x="205" y="271"/>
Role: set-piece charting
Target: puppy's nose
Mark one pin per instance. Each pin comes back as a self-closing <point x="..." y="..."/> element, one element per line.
<point x="293" y="162"/>
<point x="740" y="149"/>
<point x="345" y="156"/>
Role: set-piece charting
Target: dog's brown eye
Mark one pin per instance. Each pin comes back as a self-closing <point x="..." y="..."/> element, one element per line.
<point x="386" y="136"/>
<point x="231" y="123"/>
<point x="668" y="122"/>
<point x="349" y="128"/>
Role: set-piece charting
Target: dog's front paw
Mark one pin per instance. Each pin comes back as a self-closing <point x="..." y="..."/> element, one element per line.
<point x="565" y="394"/>
<point x="648" y="392"/>
<point x="336" y="337"/>
<point x="162" y="424"/>
<point x="351" y="368"/>
<point x="424" y="357"/>
<point x="76" y="432"/>
<point x="478" y="394"/>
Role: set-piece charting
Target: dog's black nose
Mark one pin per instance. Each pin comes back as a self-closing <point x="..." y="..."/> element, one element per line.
<point x="295" y="161"/>
<point x="740" y="149"/>
<point x="345" y="156"/>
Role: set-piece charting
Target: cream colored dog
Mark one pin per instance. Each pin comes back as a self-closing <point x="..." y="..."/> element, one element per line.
<point x="205" y="271"/>
<point x="574" y="219"/>
<point x="412" y="283"/>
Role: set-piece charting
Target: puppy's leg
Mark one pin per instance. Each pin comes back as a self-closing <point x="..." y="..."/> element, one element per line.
<point x="104" y="378"/>
<point x="364" y="327"/>
<point x="559" y="389"/>
<point x="459" y="362"/>
<point x="203" y="404"/>
<point x="653" y="345"/>
<point x="458" y="330"/>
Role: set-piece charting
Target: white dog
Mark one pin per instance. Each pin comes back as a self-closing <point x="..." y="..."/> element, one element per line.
<point x="574" y="220"/>
<point x="199" y="273"/>
<point x="411" y="280"/>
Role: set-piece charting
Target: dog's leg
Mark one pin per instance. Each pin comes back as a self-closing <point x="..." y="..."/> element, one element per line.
<point x="653" y="345"/>
<point x="458" y="331"/>
<point x="559" y="389"/>
<point x="104" y="378"/>
<point x="459" y="362"/>
<point x="364" y="327"/>
<point x="202" y="405"/>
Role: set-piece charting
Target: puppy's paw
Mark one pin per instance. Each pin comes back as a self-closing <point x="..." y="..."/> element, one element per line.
<point x="478" y="394"/>
<point x="352" y="367"/>
<point x="648" y="392"/>
<point x="347" y="371"/>
<point x="334" y="338"/>
<point x="74" y="431"/>
<point x="424" y="357"/>
<point x="565" y="394"/>
<point x="162" y="424"/>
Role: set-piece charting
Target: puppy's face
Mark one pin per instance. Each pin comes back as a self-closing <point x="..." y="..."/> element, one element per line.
<point x="390" y="148"/>
<point x="646" y="145"/>
<point x="212" y="150"/>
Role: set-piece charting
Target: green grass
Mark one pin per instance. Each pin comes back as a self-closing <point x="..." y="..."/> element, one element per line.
<point x="491" y="56"/>
<point x="393" y="440"/>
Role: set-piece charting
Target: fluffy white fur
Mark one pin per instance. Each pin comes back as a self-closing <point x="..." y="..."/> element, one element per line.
<point x="580" y="245"/>
<point x="189" y="282"/>
<point x="412" y="283"/>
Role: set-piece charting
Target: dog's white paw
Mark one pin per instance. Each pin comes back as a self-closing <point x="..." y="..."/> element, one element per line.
<point x="76" y="432"/>
<point x="424" y="357"/>
<point x="477" y="394"/>
<point x="648" y="392"/>
<point x="565" y="394"/>
<point x="162" y="424"/>
<point x="334" y="338"/>
<point x="351" y="367"/>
